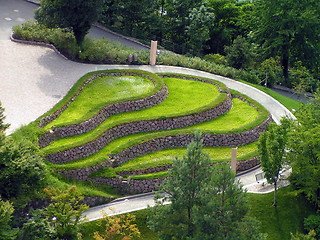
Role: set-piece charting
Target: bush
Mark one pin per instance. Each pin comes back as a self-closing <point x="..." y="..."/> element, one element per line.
<point x="107" y="52"/>
<point x="313" y="223"/>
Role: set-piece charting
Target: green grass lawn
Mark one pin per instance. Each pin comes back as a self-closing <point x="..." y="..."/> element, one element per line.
<point x="177" y="103"/>
<point x="277" y="222"/>
<point x="242" y="113"/>
<point x="100" y="92"/>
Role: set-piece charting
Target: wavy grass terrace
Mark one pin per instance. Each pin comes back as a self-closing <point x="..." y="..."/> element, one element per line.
<point x="187" y="96"/>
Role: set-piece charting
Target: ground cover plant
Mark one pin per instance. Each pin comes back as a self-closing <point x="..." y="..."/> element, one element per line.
<point x="243" y="115"/>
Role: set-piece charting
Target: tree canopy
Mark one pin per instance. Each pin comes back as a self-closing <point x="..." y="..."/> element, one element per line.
<point x="206" y="202"/>
<point x="77" y="15"/>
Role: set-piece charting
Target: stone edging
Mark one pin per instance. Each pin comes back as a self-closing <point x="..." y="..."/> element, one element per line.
<point x="102" y="115"/>
<point x="121" y="130"/>
<point x="241" y="166"/>
<point x="138" y="127"/>
<point x="44" y="121"/>
<point x="35" y="43"/>
<point x="132" y="186"/>
<point x="168" y="142"/>
<point x="182" y="140"/>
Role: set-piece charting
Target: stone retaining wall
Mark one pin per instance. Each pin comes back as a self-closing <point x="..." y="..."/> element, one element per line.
<point x="44" y="121"/>
<point x="228" y="140"/>
<point x="103" y="114"/>
<point x="138" y="127"/>
<point x="132" y="186"/>
<point x="182" y="140"/>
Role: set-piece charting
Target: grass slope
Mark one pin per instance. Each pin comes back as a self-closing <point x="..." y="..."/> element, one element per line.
<point x="177" y="103"/>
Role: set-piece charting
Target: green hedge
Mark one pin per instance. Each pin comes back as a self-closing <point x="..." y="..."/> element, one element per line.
<point x="105" y="51"/>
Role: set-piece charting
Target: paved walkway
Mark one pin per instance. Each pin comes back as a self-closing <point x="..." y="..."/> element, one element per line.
<point x="34" y="79"/>
<point x="142" y="201"/>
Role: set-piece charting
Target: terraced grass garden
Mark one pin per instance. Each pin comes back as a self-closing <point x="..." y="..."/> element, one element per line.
<point x="116" y="125"/>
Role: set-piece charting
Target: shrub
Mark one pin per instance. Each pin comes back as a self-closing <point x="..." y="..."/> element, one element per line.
<point x="313" y="223"/>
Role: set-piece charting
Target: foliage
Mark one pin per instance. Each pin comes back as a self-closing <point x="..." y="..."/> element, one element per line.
<point x="64" y="213"/>
<point x="22" y="169"/>
<point x="302" y="80"/>
<point x="223" y="210"/>
<point x="6" y="230"/>
<point x="198" y="31"/>
<point x="288" y="29"/>
<point x="61" y="38"/>
<point x="240" y="54"/>
<point x="118" y="227"/>
<point x="299" y="236"/>
<point x="204" y="202"/>
<point x="3" y="126"/>
<point x="183" y="185"/>
<point x="216" y="58"/>
<point x="77" y="15"/>
<point x="304" y="150"/>
<point x="37" y="227"/>
<point x="272" y="146"/>
<point x="271" y="70"/>
<point x="312" y="223"/>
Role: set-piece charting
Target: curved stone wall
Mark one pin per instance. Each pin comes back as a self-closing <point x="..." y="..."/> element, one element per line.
<point x="182" y="140"/>
<point x="44" y="121"/>
<point x="131" y="186"/>
<point x="138" y="127"/>
<point x="103" y="114"/>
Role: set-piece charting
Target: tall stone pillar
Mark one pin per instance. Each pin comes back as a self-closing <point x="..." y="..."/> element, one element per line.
<point x="153" y="53"/>
<point x="234" y="160"/>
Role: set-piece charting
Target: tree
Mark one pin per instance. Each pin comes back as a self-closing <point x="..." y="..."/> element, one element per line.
<point x="240" y="54"/>
<point x="64" y="213"/>
<point x="272" y="146"/>
<point x="222" y="214"/>
<point x="78" y="15"/>
<point x="6" y="211"/>
<point x="288" y="28"/>
<point x="118" y="227"/>
<point x="59" y="220"/>
<point x="183" y="186"/>
<point x="206" y="202"/>
<point x="198" y="30"/>
<point x="37" y="227"/>
<point x="304" y="150"/>
<point x="22" y="169"/>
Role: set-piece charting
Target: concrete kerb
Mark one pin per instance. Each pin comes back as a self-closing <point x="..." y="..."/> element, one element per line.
<point x="42" y="44"/>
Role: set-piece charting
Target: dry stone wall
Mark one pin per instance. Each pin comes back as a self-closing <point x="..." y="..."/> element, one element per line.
<point x="104" y="113"/>
<point x="182" y="140"/>
<point x="132" y="186"/>
<point x="138" y="127"/>
<point x="46" y="120"/>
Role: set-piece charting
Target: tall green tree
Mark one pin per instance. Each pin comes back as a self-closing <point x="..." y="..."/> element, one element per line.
<point x="198" y="30"/>
<point x="205" y="203"/>
<point x="3" y="126"/>
<point x="289" y="29"/>
<point x="183" y="186"/>
<point x="222" y="214"/>
<point x="272" y="146"/>
<point x="78" y="15"/>
<point x="304" y="150"/>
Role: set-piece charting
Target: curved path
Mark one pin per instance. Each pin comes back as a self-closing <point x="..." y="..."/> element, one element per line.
<point x="34" y="78"/>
